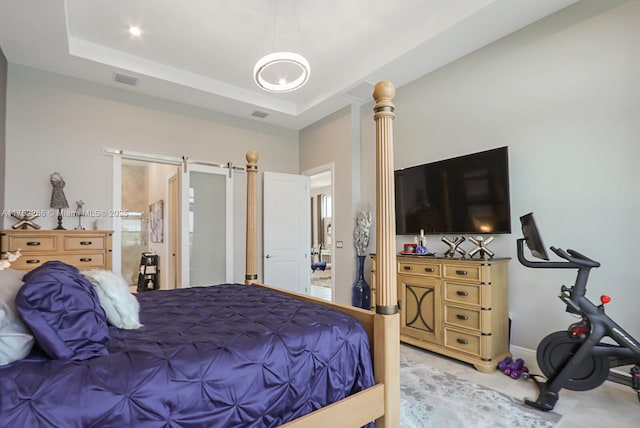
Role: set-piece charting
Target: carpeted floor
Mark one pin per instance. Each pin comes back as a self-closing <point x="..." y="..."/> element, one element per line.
<point x="432" y="398"/>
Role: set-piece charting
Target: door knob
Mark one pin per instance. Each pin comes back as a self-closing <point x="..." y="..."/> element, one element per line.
<point x="268" y="256"/>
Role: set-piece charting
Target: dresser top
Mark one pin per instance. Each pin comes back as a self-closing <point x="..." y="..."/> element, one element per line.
<point x="52" y="232"/>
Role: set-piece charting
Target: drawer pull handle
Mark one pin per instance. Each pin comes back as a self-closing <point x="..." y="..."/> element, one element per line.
<point x="462" y="341"/>
<point x="32" y="261"/>
<point x="86" y="259"/>
<point x="86" y="242"/>
<point x="462" y="317"/>
<point x="429" y="270"/>
<point x="462" y="272"/>
<point x="33" y="243"/>
<point x="462" y="293"/>
<point x="408" y="267"/>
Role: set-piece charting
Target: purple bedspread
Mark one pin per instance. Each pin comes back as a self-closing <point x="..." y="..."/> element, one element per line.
<point x="222" y="356"/>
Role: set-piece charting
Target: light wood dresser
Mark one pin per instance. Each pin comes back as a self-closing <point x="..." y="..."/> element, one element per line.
<point x="85" y="249"/>
<point x="455" y="307"/>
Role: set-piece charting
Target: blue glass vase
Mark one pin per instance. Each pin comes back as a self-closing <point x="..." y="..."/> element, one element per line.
<point x="361" y="291"/>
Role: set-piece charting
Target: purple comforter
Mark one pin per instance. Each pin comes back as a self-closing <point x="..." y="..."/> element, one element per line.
<point x="222" y="356"/>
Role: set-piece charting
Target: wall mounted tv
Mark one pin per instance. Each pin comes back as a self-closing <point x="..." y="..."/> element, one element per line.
<point x="463" y="195"/>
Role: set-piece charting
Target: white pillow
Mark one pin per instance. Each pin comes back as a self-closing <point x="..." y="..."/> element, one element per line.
<point x="16" y="340"/>
<point x="122" y="307"/>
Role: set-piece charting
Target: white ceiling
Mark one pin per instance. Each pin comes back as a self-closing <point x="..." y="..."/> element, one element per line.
<point x="202" y="52"/>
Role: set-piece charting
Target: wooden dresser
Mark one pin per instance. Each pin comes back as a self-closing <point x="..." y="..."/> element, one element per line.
<point x="455" y="307"/>
<point x="85" y="249"/>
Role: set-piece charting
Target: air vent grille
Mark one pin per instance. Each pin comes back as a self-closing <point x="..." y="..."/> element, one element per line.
<point x="125" y="79"/>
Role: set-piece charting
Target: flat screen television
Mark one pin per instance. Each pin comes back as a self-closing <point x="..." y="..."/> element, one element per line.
<point x="462" y="195"/>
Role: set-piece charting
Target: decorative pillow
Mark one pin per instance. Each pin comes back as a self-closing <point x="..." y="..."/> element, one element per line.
<point x="63" y="311"/>
<point x="16" y="340"/>
<point x="122" y="307"/>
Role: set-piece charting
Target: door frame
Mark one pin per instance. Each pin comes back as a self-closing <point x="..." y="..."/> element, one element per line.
<point x="334" y="260"/>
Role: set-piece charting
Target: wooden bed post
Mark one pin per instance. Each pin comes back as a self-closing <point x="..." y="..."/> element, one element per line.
<point x="251" y="261"/>
<point x="387" y="320"/>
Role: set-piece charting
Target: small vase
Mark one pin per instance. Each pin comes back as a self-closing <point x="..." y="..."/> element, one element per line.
<point x="361" y="292"/>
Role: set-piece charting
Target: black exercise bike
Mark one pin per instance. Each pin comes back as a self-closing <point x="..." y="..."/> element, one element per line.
<point x="576" y="358"/>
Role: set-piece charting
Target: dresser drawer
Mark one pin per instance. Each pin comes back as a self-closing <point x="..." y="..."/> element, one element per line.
<point x="461" y="317"/>
<point x="426" y="269"/>
<point x="462" y="272"/>
<point x="81" y="261"/>
<point x="462" y="293"/>
<point x="465" y="342"/>
<point x="79" y="243"/>
<point x="26" y="243"/>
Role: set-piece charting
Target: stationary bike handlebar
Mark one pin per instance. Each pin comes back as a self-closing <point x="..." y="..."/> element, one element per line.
<point x="575" y="257"/>
<point x="574" y="260"/>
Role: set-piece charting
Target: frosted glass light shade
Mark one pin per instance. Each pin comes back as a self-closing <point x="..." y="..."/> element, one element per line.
<point x="279" y="58"/>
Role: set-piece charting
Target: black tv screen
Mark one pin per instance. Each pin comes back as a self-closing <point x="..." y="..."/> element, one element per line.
<point x="463" y="195"/>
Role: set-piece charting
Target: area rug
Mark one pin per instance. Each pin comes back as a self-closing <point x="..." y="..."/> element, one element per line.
<point x="432" y="398"/>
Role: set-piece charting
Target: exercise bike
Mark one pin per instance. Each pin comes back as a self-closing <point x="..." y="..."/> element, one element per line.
<point x="576" y="358"/>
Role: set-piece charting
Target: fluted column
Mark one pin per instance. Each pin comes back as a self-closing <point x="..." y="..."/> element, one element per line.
<point x="387" y="295"/>
<point x="251" y="260"/>
<point x="387" y="321"/>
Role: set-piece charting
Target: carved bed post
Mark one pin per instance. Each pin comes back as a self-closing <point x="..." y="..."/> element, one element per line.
<point x="387" y="322"/>
<point x="251" y="261"/>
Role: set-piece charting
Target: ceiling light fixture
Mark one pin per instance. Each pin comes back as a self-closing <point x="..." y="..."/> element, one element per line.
<point x="275" y="60"/>
<point x="282" y="71"/>
<point x="135" y="31"/>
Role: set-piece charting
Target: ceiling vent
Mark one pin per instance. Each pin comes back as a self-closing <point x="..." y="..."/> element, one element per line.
<point x="125" y="79"/>
<point x="259" y="114"/>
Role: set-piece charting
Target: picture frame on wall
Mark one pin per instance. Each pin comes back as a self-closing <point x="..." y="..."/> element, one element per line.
<point x="156" y="221"/>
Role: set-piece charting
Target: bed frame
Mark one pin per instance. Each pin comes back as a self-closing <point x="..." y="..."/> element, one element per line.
<point x="381" y="402"/>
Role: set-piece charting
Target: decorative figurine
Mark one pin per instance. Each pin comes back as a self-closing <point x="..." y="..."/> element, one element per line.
<point x="79" y="213"/>
<point x="454" y="246"/>
<point x="421" y="247"/>
<point x="481" y="246"/>
<point x="58" y="199"/>
<point x="25" y="221"/>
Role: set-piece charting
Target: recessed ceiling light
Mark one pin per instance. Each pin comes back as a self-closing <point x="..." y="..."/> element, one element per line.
<point x="135" y="31"/>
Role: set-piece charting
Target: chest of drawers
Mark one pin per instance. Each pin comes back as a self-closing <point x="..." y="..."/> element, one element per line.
<point x="455" y="307"/>
<point x="85" y="249"/>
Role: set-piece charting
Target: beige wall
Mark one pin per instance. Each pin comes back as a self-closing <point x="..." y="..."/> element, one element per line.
<point x="326" y="141"/>
<point x="564" y="95"/>
<point x="56" y="123"/>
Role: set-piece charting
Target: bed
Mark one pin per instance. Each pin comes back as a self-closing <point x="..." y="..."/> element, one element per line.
<point x="261" y="357"/>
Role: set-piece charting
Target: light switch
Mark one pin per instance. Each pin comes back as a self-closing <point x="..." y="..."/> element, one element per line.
<point x="338" y="244"/>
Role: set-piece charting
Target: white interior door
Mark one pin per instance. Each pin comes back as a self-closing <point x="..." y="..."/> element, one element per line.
<point x="286" y="241"/>
<point x="207" y="228"/>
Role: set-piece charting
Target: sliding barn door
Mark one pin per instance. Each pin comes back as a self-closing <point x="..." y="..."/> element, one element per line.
<point x="286" y="242"/>
<point x="207" y="241"/>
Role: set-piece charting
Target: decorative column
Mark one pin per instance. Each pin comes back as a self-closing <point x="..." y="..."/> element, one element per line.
<point x="251" y="261"/>
<point x="387" y="320"/>
<point x="387" y="296"/>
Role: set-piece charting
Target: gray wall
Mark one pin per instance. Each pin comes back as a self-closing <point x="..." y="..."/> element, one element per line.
<point x="55" y="123"/>
<point x="564" y="95"/>
<point x="3" y="111"/>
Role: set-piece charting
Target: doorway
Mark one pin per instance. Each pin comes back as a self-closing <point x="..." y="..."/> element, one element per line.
<point x="323" y="262"/>
<point x="147" y="227"/>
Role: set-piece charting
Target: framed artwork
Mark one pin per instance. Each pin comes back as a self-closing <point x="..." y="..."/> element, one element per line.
<point x="328" y="231"/>
<point x="156" y="220"/>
